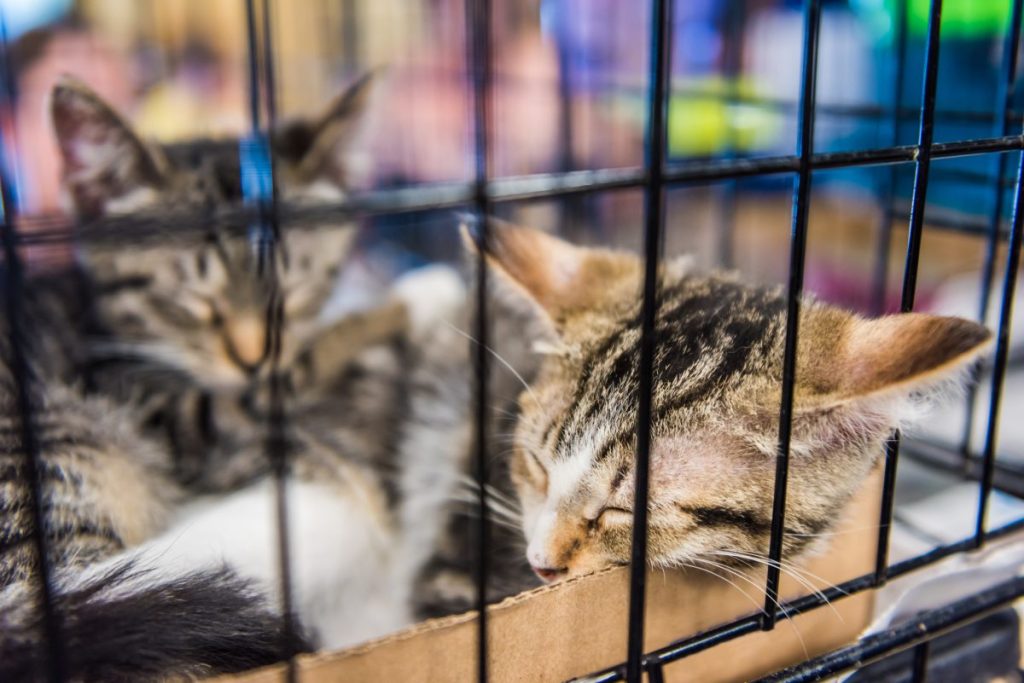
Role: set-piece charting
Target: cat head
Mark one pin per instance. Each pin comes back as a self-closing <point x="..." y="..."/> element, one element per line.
<point x="200" y="305"/>
<point x="718" y="372"/>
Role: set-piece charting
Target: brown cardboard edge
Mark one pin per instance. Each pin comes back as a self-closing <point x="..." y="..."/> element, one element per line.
<point x="679" y="603"/>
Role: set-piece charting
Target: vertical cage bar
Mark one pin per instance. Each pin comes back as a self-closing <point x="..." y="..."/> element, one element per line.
<point x="655" y="139"/>
<point x="798" y="247"/>
<point x="258" y="163"/>
<point x="924" y="156"/>
<point x="24" y="382"/>
<point x="881" y="275"/>
<point x="735" y="24"/>
<point x="920" y="670"/>
<point x="478" y="43"/>
<point x="270" y="96"/>
<point x="917" y="206"/>
<point x="655" y="672"/>
<point x="572" y="207"/>
<point x="255" y="109"/>
<point x="1007" y="89"/>
<point x="732" y="66"/>
<point x="272" y="249"/>
<point x="1001" y="357"/>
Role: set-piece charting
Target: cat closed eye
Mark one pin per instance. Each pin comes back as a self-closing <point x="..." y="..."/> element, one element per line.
<point x="613" y="516"/>
<point x="537" y="471"/>
<point x="187" y="309"/>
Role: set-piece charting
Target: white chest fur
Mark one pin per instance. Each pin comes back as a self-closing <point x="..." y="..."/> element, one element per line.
<point x="340" y="555"/>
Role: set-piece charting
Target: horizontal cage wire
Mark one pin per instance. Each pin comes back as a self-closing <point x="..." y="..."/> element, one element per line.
<point x="266" y="216"/>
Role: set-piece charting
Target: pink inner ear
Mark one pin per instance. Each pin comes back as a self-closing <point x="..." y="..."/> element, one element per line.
<point x="91" y="146"/>
<point x="542" y="265"/>
<point x="907" y="348"/>
<point x="91" y="135"/>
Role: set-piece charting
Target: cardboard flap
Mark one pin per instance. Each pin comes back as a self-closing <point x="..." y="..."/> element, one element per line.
<point x="571" y="629"/>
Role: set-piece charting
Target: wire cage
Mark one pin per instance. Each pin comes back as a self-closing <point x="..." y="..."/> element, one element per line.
<point x="998" y="232"/>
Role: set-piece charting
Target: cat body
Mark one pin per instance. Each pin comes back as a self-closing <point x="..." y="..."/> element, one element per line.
<point x="718" y="374"/>
<point x="89" y="451"/>
<point x="176" y="333"/>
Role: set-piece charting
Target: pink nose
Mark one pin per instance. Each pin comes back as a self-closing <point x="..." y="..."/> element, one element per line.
<point x="549" y="574"/>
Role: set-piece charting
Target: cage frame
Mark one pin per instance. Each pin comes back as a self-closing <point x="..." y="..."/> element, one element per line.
<point x="266" y="213"/>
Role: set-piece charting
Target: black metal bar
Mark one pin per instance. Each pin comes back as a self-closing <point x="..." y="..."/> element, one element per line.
<point x="177" y="224"/>
<point x="267" y="245"/>
<point x="255" y="110"/>
<point x="655" y="673"/>
<point x="271" y="248"/>
<point x="1005" y="97"/>
<point x="572" y="209"/>
<point x="479" y="59"/>
<point x="917" y="207"/>
<point x="655" y="141"/>
<point x="1001" y="354"/>
<point x="732" y="66"/>
<point x="881" y="275"/>
<point x="798" y="248"/>
<point x="922" y="157"/>
<point x="270" y="96"/>
<point x="921" y="629"/>
<point x="708" y="171"/>
<point x="920" y="672"/>
<point x="25" y="384"/>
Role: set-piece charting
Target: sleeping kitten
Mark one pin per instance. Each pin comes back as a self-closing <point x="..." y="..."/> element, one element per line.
<point x="718" y="368"/>
<point x="183" y="318"/>
<point x="177" y="332"/>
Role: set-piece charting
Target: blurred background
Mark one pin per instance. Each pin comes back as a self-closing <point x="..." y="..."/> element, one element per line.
<point x="570" y="83"/>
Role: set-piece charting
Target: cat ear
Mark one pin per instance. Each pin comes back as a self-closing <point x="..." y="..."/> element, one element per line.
<point x="858" y="379"/>
<point x="106" y="168"/>
<point x="319" y="149"/>
<point x="532" y="268"/>
<point x="848" y="357"/>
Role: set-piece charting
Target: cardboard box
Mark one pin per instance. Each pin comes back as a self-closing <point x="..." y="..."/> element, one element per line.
<point x="560" y="632"/>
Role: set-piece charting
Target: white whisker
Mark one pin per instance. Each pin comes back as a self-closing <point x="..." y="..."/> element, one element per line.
<point x="515" y="373"/>
<point x="740" y="575"/>
<point x="788" y="568"/>
<point x="755" y="603"/>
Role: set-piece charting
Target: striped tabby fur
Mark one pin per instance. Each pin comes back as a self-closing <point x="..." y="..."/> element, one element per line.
<point x="718" y="369"/>
<point x="180" y="324"/>
<point x="87" y="451"/>
<point x="154" y="360"/>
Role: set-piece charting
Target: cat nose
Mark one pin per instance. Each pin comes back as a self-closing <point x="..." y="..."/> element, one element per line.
<point x="246" y="342"/>
<point x="549" y="574"/>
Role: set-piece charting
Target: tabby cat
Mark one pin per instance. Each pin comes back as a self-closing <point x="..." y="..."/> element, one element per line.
<point x="181" y="320"/>
<point x="171" y="336"/>
<point x="718" y="369"/>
